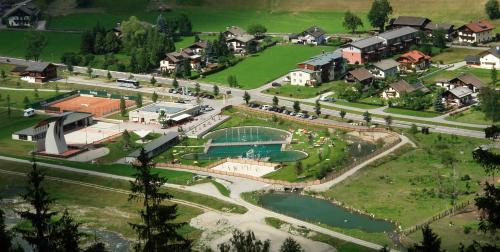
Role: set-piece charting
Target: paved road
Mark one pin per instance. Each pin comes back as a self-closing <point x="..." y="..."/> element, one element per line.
<point x="238" y="186"/>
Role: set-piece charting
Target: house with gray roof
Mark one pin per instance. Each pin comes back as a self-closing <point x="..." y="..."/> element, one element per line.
<point x="396" y="89"/>
<point x="311" y="36"/>
<point x="380" y="46"/>
<point x="21" y="15"/>
<point x="321" y="68"/>
<point x="155" y="147"/>
<point x="457" y="97"/>
<point x="37" y="72"/>
<point x="410" y="21"/>
<point x="490" y="58"/>
<point x="385" y="68"/>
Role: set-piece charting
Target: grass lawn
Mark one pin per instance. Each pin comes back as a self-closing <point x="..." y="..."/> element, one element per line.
<point x="95" y="208"/>
<point x="406" y="184"/>
<point x="470" y="115"/>
<point x="14" y="44"/>
<point x="300" y="92"/>
<point x="483" y="74"/>
<point x="17" y="97"/>
<point x="409" y="112"/>
<point x="453" y="55"/>
<point x="221" y="188"/>
<point x="259" y="69"/>
<point x="356" y="104"/>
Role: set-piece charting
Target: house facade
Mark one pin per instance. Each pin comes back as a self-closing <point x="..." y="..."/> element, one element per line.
<point x="490" y="59"/>
<point x="318" y="69"/>
<point x="239" y="44"/>
<point x="414" y="60"/>
<point x="396" y="89"/>
<point x="22" y="15"/>
<point x="385" y="68"/>
<point x="467" y="80"/>
<point x="37" y="72"/>
<point x="311" y="36"/>
<point x="476" y="32"/>
<point x="380" y="46"/>
<point x="457" y="97"/>
<point x="171" y="62"/>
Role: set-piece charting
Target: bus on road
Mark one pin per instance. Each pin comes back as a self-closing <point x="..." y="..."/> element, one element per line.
<point x="128" y="83"/>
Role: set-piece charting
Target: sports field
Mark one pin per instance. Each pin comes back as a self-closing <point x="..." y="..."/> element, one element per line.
<point x="97" y="106"/>
<point x="264" y="67"/>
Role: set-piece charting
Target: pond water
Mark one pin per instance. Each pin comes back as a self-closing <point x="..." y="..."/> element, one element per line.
<point x="247" y="134"/>
<point x="317" y="210"/>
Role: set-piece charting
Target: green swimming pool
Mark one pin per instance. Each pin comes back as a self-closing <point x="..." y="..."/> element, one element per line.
<point x="252" y="134"/>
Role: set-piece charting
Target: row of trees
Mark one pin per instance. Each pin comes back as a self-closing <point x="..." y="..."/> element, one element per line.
<point x="99" y="41"/>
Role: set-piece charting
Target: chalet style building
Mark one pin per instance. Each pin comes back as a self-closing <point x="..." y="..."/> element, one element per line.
<point x="312" y="36"/>
<point x="448" y="29"/>
<point x="476" y="32"/>
<point x="36" y="72"/>
<point x="414" y="60"/>
<point x="174" y="60"/>
<point x="385" y="68"/>
<point x="490" y="59"/>
<point x="396" y="89"/>
<point x="418" y="23"/>
<point x="457" y="97"/>
<point x="21" y="15"/>
<point x="468" y="80"/>
<point x="319" y="69"/>
<point x="359" y="75"/>
<point x="198" y="47"/>
<point x="238" y="39"/>
<point x="380" y="46"/>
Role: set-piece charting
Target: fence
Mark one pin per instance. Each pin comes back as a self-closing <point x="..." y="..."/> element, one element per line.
<point x="437" y="217"/>
<point x="46" y="102"/>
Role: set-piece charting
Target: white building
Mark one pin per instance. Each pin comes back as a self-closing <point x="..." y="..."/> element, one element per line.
<point x="175" y="112"/>
<point x="305" y="77"/>
<point x="312" y="36"/>
<point x="476" y="32"/>
<point x="385" y="68"/>
<point x="24" y="14"/>
<point x="490" y="58"/>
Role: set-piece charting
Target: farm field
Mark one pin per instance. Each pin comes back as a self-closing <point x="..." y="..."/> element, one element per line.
<point x="471" y="115"/>
<point x="14" y="44"/>
<point x="406" y="183"/>
<point x="300" y="92"/>
<point x="266" y="65"/>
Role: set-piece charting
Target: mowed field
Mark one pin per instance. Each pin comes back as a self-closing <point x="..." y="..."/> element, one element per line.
<point x="278" y="16"/>
<point x="13" y="44"/>
<point x="266" y="66"/>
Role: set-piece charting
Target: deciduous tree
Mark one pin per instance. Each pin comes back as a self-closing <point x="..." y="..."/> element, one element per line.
<point x="290" y="245"/>
<point x="36" y="42"/>
<point x="246" y="97"/>
<point x="491" y="8"/>
<point x="352" y="22"/>
<point x="379" y="13"/>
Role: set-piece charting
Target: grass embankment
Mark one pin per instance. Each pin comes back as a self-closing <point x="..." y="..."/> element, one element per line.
<point x="299" y="92"/>
<point x="17" y="97"/>
<point x="221" y="188"/>
<point x="339" y="245"/>
<point x="261" y="68"/>
<point x="412" y="184"/>
<point x="95" y="208"/>
<point x="409" y="112"/>
<point x="204" y="200"/>
<point x="471" y="115"/>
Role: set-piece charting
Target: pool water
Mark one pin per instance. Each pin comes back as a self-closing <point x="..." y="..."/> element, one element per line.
<point x="247" y="134"/>
<point x="271" y="151"/>
<point x="317" y="210"/>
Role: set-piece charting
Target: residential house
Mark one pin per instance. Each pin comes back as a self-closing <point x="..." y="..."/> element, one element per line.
<point x="37" y="72"/>
<point x="449" y="29"/>
<point x="457" y="97"/>
<point x="318" y="69"/>
<point x="418" y="23"/>
<point x="233" y="32"/>
<point x="414" y="60"/>
<point x="21" y="15"/>
<point x="194" y="58"/>
<point x="171" y="62"/>
<point x="239" y="44"/>
<point x="490" y="59"/>
<point x="312" y="36"/>
<point x="380" y="46"/>
<point x="476" y="32"/>
<point x="473" y="60"/>
<point x="385" y="68"/>
<point x="468" y="80"/>
<point x="198" y="47"/>
<point x="396" y="89"/>
<point x="361" y="75"/>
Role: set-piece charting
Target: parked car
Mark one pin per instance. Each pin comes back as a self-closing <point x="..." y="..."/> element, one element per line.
<point x="253" y="105"/>
<point x="267" y="107"/>
<point x="312" y="117"/>
<point x="276" y="84"/>
<point x="170" y="90"/>
<point x="292" y="113"/>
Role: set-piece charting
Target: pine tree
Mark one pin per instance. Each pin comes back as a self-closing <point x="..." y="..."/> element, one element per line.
<point x="196" y="38"/>
<point x="126" y="139"/>
<point x="154" y="97"/>
<point x="153" y="80"/>
<point x="216" y="90"/>
<point x="296" y="106"/>
<point x="175" y="83"/>
<point x="5" y="235"/>
<point x="99" y="44"/>
<point x="275" y="101"/>
<point x="123" y="107"/>
<point x="157" y="231"/>
<point x="246" y="97"/>
<point x="65" y="236"/>
<point x="290" y="245"/>
<point x="197" y="87"/>
<point x="438" y="104"/>
<point x="317" y="108"/>
<point x="430" y="243"/>
<point x="342" y="114"/>
<point x="367" y="117"/>
<point x="298" y="167"/>
<point x="40" y="217"/>
<point x="108" y="76"/>
<point x="133" y="63"/>
<point x="161" y="24"/>
<point x="185" y="26"/>
<point x="138" y="100"/>
<point x="26" y="100"/>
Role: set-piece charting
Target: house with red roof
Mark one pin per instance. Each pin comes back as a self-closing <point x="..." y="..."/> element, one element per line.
<point x="476" y="32"/>
<point x="414" y="60"/>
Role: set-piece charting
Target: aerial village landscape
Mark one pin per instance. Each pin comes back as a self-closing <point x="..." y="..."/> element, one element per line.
<point x="249" y="126"/>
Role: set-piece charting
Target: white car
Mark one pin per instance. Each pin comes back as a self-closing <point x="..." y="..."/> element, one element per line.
<point x="266" y="107"/>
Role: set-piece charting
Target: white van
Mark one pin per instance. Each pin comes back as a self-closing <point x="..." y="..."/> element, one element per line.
<point x="29" y="112"/>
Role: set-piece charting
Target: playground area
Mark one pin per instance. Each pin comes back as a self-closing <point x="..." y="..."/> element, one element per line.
<point x="97" y="106"/>
<point x="256" y="169"/>
<point x="92" y="134"/>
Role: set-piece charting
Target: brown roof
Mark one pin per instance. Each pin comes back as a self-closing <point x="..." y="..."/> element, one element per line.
<point x="435" y="26"/>
<point x="199" y="44"/>
<point x="410" y="21"/>
<point x="361" y="74"/>
<point x="480" y="26"/>
<point x="402" y="86"/>
<point x="413" y="57"/>
<point x="469" y="79"/>
<point x="235" y="30"/>
<point x="174" y="57"/>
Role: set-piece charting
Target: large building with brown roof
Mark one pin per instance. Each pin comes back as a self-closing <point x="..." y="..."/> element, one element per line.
<point x="359" y="75"/>
<point x="396" y="89"/>
<point x="418" y="23"/>
<point x="414" y="60"/>
<point x="476" y="32"/>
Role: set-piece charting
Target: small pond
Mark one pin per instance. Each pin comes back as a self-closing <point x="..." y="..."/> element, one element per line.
<point x="317" y="210"/>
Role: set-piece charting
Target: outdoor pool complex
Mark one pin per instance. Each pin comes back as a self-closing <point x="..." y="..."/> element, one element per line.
<point x="249" y="142"/>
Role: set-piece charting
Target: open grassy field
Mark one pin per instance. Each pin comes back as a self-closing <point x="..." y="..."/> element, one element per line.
<point x="454" y="55"/>
<point x="13" y="44"/>
<point x="299" y="92"/>
<point x="471" y="115"/>
<point x="410" y="112"/>
<point x="261" y="68"/>
<point x="95" y="208"/>
<point x="17" y="97"/>
<point x="412" y="184"/>
<point x="483" y="74"/>
<point x="118" y="150"/>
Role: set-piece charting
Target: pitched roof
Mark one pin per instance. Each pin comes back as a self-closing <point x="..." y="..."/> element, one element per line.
<point x="303" y="70"/>
<point x="409" y="20"/>
<point x="435" y="26"/>
<point x="243" y="38"/>
<point x="396" y="33"/>
<point x="26" y="7"/>
<point x="472" y="58"/>
<point x="495" y="51"/>
<point x="479" y="26"/>
<point x="237" y="31"/>
<point x="402" y="86"/>
<point x="37" y="66"/>
<point x="386" y="64"/>
<point x="361" y="74"/>
<point x="71" y="117"/>
<point x="315" y="31"/>
<point x="363" y="43"/>
<point x="174" y="57"/>
<point x="324" y="58"/>
<point x="469" y="79"/>
<point x="414" y="56"/>
<point x="461" y="91"/>
<point x="156" y="143"/>
<point x="199" y="44"/>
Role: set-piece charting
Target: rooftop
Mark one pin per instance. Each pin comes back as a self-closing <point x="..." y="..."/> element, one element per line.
<point x="37" y="66"/>
<point x="396" y="33"/>
<point x="461" y="92"/>
<point x="169" y="107"/>
<point x="363" y="43"/>
<point x="361" y="74"/>
<point x="386" y="64"/>
<point x="479" y="26"/>
<point x="156" y="143"/>
<point x="324" y="58"/>
<point x="409" y="20"/>
<point x="469" y="79"/>
<point x="71" y="117"/>
<point x="315" y="31"/>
